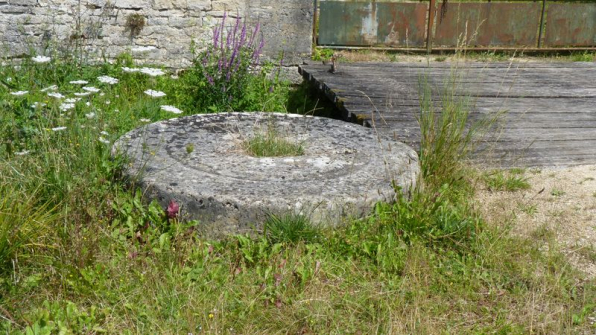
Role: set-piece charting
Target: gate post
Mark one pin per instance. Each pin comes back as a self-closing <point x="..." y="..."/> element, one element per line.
<point x="431" y="19"/>
<point x="541" y="28"/>
<point x="314" y="24"/>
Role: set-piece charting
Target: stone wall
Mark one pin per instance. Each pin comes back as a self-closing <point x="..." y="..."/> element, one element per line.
<point x="39" y="26"/>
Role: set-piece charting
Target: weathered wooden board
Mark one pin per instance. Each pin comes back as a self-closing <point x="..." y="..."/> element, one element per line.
<point x="547" y="111"/>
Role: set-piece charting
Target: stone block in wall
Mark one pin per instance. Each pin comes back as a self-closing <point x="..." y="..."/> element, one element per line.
<point x="23" y="2"/>
<point x="130" y="4"/>
<point x="11" y="9"/>
<point x="232" y="6"/>
<point x="183" y="22"/>
<point x="199" y="5"/>
<point x="157" y="21"/>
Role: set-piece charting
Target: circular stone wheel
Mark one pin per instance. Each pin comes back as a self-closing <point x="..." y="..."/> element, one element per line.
<point x="201" y="162"/>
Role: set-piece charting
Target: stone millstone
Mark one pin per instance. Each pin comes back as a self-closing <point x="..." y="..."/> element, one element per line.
<point x="199" y="162"/>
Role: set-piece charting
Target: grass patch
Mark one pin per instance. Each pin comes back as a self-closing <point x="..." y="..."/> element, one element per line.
<point x="290" y="228"/>
<point x="509" y="181"/>
<point x="271" y="143"/>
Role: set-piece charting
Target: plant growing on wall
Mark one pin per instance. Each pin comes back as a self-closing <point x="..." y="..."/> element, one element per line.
<point x="135" y="24"/>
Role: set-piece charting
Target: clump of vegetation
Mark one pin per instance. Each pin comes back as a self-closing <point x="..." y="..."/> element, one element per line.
<point x="322" y="54"/>
<point x="134" y="24"/>
<point x="583" y="56"/>
<point x="290" y="228"/>
<point x="512" y="180"/>
<point x="228" y="75"/>
<point x="448" y="133"/>
<point x="271" y="143"/>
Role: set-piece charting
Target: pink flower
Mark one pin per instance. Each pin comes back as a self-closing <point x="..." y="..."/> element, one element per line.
<point x="173" y="209"/>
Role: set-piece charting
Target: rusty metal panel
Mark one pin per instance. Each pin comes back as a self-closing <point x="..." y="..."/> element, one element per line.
<point x="347" y="23"/>
<point x="570" y="24"/>
<point x="401" y="24"/>
<point x="372" y="23"/>
<point x="488" y="24"/>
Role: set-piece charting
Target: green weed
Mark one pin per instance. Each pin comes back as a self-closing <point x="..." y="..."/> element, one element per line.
<point x="505" y="181"/>
<point x="322" y="54"/>
<point x="529" y="209"/>
<point x="448" y="136"/>
<point x="271" y="143"/>
<point x="290" y="228"/>
<point x="582" y="57"/>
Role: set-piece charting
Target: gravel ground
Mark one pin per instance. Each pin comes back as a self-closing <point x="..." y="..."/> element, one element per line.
<point x="561" y="202"/>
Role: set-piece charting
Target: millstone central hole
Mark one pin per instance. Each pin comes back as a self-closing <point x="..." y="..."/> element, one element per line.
<point x="271" y="143"/>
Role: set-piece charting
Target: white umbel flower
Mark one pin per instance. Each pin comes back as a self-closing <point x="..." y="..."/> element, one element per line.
<point x="66" y="106"/>
<point x="108" y="80"/>
<point x="38" y="105"/>
<point x="41" y="59"/>
<point x="130" y="69"/>
<point x="50" y="88"/>
<point x="58" y="128"/>
<point x="171" y="109"/>
<point x="155" y="94"/>
<point x="79" y="82"/>
<point x="152" y="72"/>
<point x="19" y="93"/>
<point x="56" y="95"/>
<point x="91" y="89"/>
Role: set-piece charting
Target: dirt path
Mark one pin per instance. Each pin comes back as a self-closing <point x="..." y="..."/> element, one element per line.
<point x="561" y="202"/>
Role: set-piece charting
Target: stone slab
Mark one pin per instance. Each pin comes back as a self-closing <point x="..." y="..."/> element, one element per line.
<point x="344" y="171"/>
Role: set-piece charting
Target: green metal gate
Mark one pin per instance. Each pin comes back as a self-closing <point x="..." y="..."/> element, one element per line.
<point x="539" y="25"/>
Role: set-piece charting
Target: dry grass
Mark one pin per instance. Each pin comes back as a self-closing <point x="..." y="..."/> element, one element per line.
<point x="560" y="202"/>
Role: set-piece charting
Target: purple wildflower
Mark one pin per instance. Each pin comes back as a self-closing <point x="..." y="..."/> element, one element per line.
<point x="210" y="80"/>
<point x="223" y="24"/>
<point x="215" y="36"/>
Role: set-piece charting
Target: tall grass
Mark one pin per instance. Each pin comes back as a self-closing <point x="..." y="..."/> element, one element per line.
<point x="449" y="132"/>
<point x="24" y="225"/>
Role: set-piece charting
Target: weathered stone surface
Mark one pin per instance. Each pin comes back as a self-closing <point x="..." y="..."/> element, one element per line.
<point x="23" y="2"/>
<point x="286" y="25"/>
<point x="199" y="161"/>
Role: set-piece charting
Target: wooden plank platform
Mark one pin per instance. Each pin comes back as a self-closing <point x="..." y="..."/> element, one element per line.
<point x="548" y="109"/>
